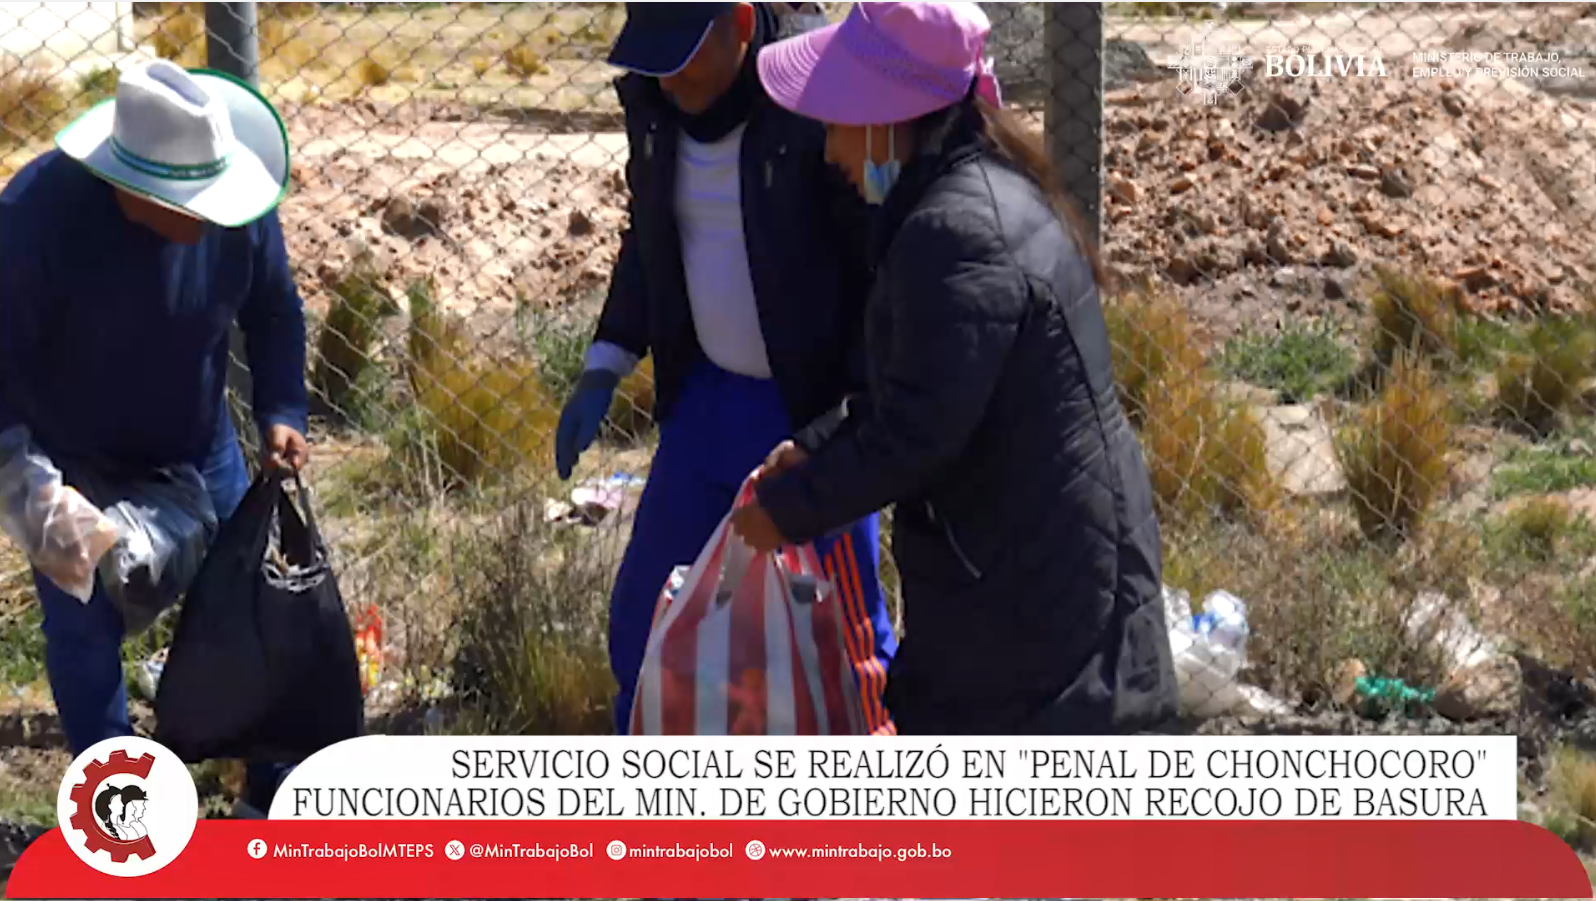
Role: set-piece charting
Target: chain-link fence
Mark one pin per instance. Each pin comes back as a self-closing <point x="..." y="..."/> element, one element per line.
<point x="1351" y="323"/>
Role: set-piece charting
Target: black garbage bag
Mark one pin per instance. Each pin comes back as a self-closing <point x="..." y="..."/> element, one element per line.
<point x="262" y="666"/>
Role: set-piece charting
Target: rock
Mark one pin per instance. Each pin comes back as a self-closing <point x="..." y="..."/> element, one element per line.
<point x="1124" y="189"/>
<point x="1340" y="255"/>
<point x="1282" y="112"/>
<point x="1363" y="171"/>
<point x="1377" y="225"/>
<point x="1488" y="690"/>
<point x="1278" y="244"/>
<point x="1395" y="183"/>
<point x="1249" y="394"/>
<point x="1181" y="185"/>
<point x="1347" y="682"/>
<point x="580" y="225"/>
<point x="1333" y="290"/>
<point x="1452" y="103"/>
<point x="1474" y="278"/>
<point x="1126" y="63"/>
<point x="433" y="211"/>
<point x="1301" y="451"/>
<point x="399" y="217"/>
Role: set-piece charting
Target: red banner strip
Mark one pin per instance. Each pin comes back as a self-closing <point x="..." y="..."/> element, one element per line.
<point x="986" y="859"/>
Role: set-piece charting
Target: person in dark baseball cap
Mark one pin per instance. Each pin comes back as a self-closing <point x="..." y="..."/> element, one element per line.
<point x="742" y="276"/>
<point x="659" y="39"/>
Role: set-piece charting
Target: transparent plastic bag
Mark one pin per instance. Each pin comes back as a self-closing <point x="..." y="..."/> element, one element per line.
<point x="166" y="522"/>
<point x="63" y="534"/>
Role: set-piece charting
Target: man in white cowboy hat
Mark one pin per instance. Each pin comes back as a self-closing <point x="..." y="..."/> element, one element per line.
<point x="126" y="254"/>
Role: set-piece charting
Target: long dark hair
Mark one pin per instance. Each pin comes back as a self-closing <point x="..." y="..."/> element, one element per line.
<point x="1021" y="149"/>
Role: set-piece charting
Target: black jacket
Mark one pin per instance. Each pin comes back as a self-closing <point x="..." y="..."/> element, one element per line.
<point x="1024" y="527"/>
<point x="807" y="235"/>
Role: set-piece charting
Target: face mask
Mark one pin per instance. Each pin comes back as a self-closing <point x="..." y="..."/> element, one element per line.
<point x="880" y="177"/>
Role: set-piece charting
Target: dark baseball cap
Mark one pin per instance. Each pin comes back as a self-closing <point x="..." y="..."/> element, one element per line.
<point x="660" y="38"/>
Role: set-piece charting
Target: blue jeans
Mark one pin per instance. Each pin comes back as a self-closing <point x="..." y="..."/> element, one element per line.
<point x="722" y="427"/>
<point x="83" y="644"/>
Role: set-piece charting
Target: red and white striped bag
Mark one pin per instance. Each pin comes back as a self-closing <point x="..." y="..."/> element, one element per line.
<point x="748" y="644"/>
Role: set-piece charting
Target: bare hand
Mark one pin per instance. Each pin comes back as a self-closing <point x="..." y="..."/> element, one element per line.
<point x="285" y="448"/>
<point x="784" y="457"/>
<point x="756" y="529"/>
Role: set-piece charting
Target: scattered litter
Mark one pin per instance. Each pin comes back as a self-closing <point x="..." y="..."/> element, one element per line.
<point x="1434" y="618"/>
<point x="147" y="675"/>
<point x="1384" y="695"/>
<point x="1210" y="650"/>
<point x="594" y="501"/>
<point x="368" y="648"/>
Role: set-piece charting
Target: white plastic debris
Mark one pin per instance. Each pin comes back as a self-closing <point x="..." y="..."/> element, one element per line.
<point x="1435" y="619"/>
<point x="595" y="500"/>
<point x="1210" y="650"/>
<point x="147" y="675"/>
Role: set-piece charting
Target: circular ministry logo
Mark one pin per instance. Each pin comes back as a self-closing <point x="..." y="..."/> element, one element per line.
<point x="127" y="807"/>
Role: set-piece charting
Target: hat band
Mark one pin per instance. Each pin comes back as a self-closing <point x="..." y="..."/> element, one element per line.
<point x="879" y="52"/>
<point x="169" y="171"/>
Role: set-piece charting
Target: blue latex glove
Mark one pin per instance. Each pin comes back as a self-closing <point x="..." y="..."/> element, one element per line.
<point x="583" y="415"/>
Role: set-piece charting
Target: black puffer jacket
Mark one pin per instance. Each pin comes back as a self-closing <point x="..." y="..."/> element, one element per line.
<point x="1024" y="528"/>
<point x="805" y="229"/>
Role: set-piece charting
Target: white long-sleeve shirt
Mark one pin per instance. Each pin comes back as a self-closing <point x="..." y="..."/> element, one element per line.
<point x="720" y="289"/>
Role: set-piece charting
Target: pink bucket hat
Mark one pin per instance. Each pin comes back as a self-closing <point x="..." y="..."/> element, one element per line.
<point x="885" y="63"/>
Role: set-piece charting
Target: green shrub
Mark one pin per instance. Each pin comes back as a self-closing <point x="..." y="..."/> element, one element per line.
<point x="1536" y="389"/>
<point x="1549" y="467"/>
<point x="1300" y="362"/>
<point x="346" y="345"/>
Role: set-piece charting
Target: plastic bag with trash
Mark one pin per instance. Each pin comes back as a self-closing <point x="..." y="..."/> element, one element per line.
<point x="1210" y="651"/>
<point x="63" y="534"/>
<point x="166" y="522"/>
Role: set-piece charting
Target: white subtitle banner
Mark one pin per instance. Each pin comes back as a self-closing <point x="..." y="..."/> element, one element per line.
<point x="1000" y="777"/>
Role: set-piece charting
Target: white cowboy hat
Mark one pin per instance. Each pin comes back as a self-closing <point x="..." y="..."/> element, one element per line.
<point x="199" y="141"/>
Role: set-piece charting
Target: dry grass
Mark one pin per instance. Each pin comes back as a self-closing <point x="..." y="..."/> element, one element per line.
<point x="180" y="35"/>
<point x="372" y="73"/>
<point x="1536" y="389"/>
<point x="1150" y="334"/>
<point x="1573" y="785"/>
<point x="32" y="104"/>
<point x="1394" y="454"/>
<point x="485" y="418"/>
<point x="1205" y="455"/>
<point x="531" y="655"/>
<point x="524" y="61"/>
<point x="1413" y="315"/>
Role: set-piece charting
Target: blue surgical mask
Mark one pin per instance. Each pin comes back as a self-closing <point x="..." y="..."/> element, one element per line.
<point x="880" y="177"/>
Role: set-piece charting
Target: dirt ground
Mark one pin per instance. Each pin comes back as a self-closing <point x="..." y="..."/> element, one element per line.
<point x="1484" y="181"/>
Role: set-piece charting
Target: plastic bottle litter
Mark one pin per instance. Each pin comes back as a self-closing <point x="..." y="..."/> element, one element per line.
<point x="1210" y="650"/>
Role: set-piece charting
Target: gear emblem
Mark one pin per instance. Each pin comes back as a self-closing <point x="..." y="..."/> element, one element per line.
<point x="83" y="819"/>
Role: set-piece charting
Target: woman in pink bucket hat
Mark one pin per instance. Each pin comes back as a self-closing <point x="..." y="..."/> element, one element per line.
<point x="1024" y="528"/>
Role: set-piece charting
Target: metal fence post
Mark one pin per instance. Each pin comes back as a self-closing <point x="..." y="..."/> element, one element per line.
<point x="231" y="46"/>
<point x="1074" y="121"/>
